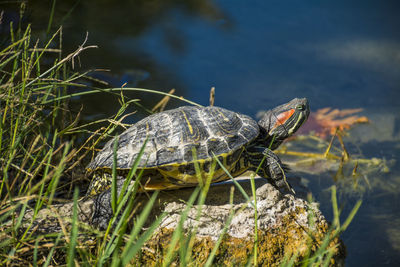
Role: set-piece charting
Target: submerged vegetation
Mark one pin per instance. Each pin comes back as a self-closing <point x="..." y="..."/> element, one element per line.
<point x="43" y="148"/>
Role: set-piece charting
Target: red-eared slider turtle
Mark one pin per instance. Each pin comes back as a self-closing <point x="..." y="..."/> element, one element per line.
<point x="239" y="142"/>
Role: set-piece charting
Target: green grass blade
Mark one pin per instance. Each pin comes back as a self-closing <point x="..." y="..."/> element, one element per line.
<point x="74" y="232"/>
<point x="143" y="216"/>
<point x="114" y="197"/>
<point x="50" y="255"/>
<point x="336" y="214"/>
<point x="226" y="226"/>
<point x="119" y="90"/>
<point x="120" y="228"/>
<point x="51" y="17"/>
<point x="350" y="217"/>
<point x="253" y="190"/>
<point x="35" y="252"/>
<point x="233" y="180"/>
<point x="178" y="233"/>
<point x="186" y="244"/>
<point x="131" y="250"/>
<point x="127" y="195"/>
<point x="137" y="246"/>
<point x="132" y="171"/>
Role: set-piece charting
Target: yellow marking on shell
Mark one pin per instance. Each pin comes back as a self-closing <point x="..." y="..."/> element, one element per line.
<point x="220" y="125"/>
<point x="170" y="173"/>
<point x="188" y="123"/>
<point x="222" y="114"/>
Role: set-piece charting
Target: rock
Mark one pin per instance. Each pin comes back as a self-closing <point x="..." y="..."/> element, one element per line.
<point x="283" y="222"/>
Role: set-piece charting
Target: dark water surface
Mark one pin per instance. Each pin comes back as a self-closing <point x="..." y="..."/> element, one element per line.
<point x="258" y="54"/>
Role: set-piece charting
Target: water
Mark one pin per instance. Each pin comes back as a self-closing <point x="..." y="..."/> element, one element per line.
<point x="258" y="54"/>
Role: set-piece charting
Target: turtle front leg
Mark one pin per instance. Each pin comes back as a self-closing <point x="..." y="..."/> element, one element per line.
<point x="274" y="168"/>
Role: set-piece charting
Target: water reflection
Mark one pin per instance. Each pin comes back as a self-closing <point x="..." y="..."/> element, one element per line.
<point x="109" y="24"/>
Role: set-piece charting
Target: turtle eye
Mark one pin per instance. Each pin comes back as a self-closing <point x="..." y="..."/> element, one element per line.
<point x="301" y="107"/>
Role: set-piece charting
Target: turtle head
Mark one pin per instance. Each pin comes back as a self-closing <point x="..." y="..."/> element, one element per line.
<point x="284" y="120"/>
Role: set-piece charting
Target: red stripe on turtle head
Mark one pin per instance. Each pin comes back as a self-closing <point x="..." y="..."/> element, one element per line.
<point x="281" y="118"/>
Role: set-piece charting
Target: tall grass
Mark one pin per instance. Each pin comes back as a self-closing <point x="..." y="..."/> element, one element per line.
<point x="34" y="151"/>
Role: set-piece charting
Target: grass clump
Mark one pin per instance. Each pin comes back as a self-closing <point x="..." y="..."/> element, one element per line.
<point x="38" y="156"/>
<point x="34" y="149"/>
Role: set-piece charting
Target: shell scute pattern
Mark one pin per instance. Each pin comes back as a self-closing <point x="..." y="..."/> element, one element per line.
<point x="222" y="122"/>
<point x="191" y="126"/>
<point x="189" y="149"/>
<point x="167" y="155"/>
<point x="173" y="134"/>
<point x="216" y="146"/>
<point x="233" y="140"/>
<point x="249" y="128"/>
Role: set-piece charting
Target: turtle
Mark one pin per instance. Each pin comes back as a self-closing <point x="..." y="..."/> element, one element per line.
<point x="176" y="140"/>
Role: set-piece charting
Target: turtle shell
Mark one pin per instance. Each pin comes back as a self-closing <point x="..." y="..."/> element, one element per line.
<point x="173" y="134"/>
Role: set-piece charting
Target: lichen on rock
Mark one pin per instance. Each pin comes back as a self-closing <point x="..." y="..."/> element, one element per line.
<point x="287" y="225"/>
